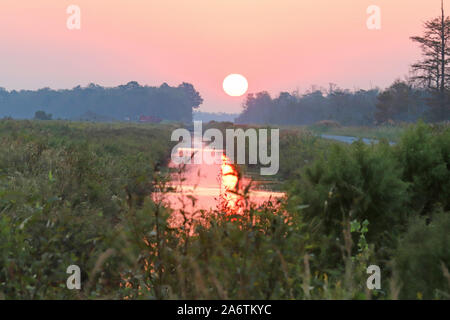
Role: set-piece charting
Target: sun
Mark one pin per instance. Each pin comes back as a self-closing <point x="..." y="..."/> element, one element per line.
<point x="235" y="85"/>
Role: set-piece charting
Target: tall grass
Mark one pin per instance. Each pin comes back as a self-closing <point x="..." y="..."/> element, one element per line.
<point x="78" y="193"/>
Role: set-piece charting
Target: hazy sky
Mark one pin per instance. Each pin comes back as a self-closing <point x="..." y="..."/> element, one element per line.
<point x="278" y="45"/>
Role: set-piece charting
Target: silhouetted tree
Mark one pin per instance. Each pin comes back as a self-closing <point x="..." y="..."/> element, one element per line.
<point x="41" y="115"/>
<point x="432" y="71"/>
<point x="194" y="97"/>
<point x="399" y="102"/>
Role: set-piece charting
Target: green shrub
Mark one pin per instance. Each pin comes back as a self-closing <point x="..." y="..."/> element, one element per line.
<point x="422" y="259"/>
<point x="64" y="190"/>
<point x="354" y="182"/>
<point x="424" y="155"/>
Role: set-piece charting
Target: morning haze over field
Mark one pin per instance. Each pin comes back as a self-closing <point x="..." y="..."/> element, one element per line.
<point x="278" y="46"/>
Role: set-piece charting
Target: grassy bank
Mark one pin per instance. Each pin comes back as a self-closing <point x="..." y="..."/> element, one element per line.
<point x="65" y="187"/>
<point x="391" y="133"/>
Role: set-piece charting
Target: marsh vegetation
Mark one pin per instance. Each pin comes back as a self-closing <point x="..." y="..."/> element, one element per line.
<point x="81" y="193"/>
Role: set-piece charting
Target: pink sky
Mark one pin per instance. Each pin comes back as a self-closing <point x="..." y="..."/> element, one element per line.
<point x="278" y="45"/>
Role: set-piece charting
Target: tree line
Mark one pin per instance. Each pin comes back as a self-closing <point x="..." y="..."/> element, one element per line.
<point x="124" y="102"/>
<point x="401" y="102"/>
<point x="425" y="94"/>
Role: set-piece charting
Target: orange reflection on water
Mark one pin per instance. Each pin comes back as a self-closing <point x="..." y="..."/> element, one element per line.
<point x="206" y="186"/>
<point x="231" y="202"/>
<point x="229" y="175"/>
<point x="216" y="186"/>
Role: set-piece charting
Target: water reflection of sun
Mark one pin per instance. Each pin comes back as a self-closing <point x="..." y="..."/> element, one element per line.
<point x="209" y="188"/>
<point x="232" y="203"/>
<point x="229" y="174"/>
<point x="231" y="200"/>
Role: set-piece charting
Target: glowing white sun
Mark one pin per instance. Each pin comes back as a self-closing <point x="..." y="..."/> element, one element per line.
<point x="235" y="85"/>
